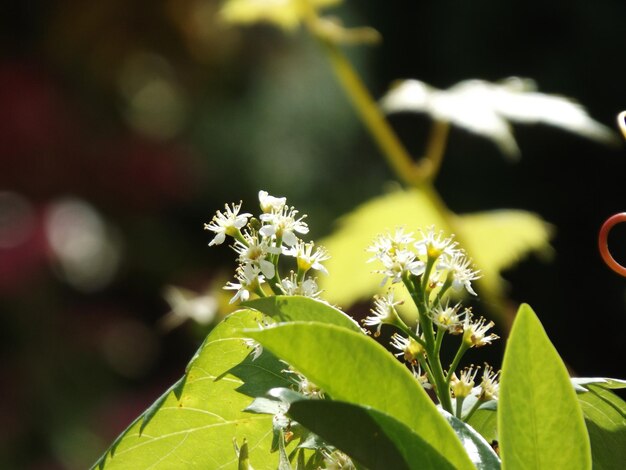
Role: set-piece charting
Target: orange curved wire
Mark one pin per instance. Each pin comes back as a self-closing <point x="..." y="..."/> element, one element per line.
<point x="603" y="244"/>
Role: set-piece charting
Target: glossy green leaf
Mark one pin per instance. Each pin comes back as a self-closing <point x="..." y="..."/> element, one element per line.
<point x="193" y="425"/>
<point x="495" y="240"/>
<point x="372" y="438"/>
<point x="354" y="368"/>
<point x="540" y="422"/>
<point x="607" y="427"/>
<point x="286" y="308"/>
<point x="581" y="383"/>
<point x="479" y="450"/>
<point x="485" y="422"/>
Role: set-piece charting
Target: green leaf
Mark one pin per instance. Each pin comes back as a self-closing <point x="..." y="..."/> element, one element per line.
<point x="354" y="368"/>
<point x="485" y="422"/>
<point x="372" y="438"/>
<point x="581" y="383"/>
<point x="606" y="426"/>
<point x="540" y="422"/>
<point x="478" y="449"/>
<point x="495" y="240"/>
<point x="260" y="374"/>
<point x="286" y="308"/>
<point x="193" y="425"/>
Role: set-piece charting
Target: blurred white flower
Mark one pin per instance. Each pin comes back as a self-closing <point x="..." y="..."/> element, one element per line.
<point x="86" y="250"/>
<point x="187" y="304"/>
<point x="486" y="108"/>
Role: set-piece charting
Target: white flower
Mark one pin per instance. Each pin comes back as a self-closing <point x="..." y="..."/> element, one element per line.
<point x="474" y="332"/>
<point x="489" y="386"/>
<point x="410" y="349"/>
<point x="400" y="263"/>
<point x="307" y="258"/>
<point x="227" y="223"/>
<point x="434" y="244"/>
<point x="449" y="318"/>
<point x="384" y="311"/>
<point x="307" y="288"/>
<point x="283" y="224"/>
<point x="186" y="304"/>
<point x="462" y="387"/>
<point x="337" y="460"/>
<point x="421" y="378"/>
<point x="485" y="108"/>
<point x="255" y="253"/>
<point x="249" y="277"/>
<point x="305" y="386"/>
<point x="257" y="348"/>
<point x="388" y="244"/>
<point x="270" y="203"/>
<point x="460" y="269"/>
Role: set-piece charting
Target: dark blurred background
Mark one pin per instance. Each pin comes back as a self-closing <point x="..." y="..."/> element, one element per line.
<point x="124" y="125"/>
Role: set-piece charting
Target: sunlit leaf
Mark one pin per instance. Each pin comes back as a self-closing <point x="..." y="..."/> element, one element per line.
<point x="606" y="423"/>
<point x="350" y="276"/>
<point x="486" y="108"/>
<point x="193" y="425"/>
<point x="478" y="449"/>
<point x="354" y="368"/>
<point x="284" y="308"/>
<point x="581" y="384"/>
<point x="485" y="422"/>
<point x="540" y="422"/>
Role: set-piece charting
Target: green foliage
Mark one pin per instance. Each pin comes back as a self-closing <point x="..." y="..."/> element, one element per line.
<point x="540" y="422"/>
<point x="372" y="438"/>
<point x="351" y="367"/>
<point x="194" y="423"/>
<point x="496" y="240"/>
<point x="605" y="417"/>
<point x="478" y="449"/>
<point x="284" y="308"/>
<point x="374" y="410"/>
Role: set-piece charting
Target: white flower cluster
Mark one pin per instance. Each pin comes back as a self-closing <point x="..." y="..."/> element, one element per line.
<point x="259" y="243"/>
<point x="402" y="257"/>
<point x="463" y="386"/>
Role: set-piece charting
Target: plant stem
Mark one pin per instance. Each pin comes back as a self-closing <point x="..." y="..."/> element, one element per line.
<point x="455" y="362"/>
<point x="392" y="149"/>
<point x="459" y="406"/>
<point x="472" y="411"/>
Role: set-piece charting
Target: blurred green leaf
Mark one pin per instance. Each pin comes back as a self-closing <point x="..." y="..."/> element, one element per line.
<point x="350" y="277"/>
<point x="495" y="240"/>
<point x="540" y="422"/>
<point x="372" y="438"/>
<point x="285" y="308"/>
<point x="195" y="422"/>
<point x="354" y="368"/>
